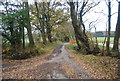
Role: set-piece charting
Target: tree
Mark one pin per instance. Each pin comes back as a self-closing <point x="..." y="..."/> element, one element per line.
<point x="54" y="17"/>
<point x="77" y="29"/>
<point x="46" y="16"/>
<point x="108" y="3"/>
<point x="65" y="32"/>
<point x="28" y="25"/>
<point x="117" y="32"/>
<point x="78" y="24"/>
<point x="41" y="19"/>
<point x="109" y="28"/>
<point x="12" y="20"/>
<point x="49" y="27"/>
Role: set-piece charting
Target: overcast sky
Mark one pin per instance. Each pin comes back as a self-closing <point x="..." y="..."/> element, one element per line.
<point x="103" y="18"/>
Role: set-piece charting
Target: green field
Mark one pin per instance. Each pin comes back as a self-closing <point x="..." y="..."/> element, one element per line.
<point x="101" y="39"/>
<point x="26" y="40"/>
<point x="98" y="38"/>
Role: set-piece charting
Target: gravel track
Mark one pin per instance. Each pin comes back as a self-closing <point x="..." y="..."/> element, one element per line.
<point x="52" y="68"/>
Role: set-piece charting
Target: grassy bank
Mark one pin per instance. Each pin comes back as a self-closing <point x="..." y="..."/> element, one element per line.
<point x="43" y="49"/>
<point x="101" y="67"/>
<point x="39" y="49"/>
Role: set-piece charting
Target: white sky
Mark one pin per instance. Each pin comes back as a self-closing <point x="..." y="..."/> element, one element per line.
<point x="102" y="7"/>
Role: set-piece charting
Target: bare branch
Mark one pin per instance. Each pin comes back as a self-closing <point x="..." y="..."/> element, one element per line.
<point x="83" y="6"/>
<point x="114" y="13"/>
<point x="101" y="13"/>
<point x="90" y="8"/>
<point x="106" y="2"/>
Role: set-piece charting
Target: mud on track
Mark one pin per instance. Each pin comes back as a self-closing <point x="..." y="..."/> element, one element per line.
<point x="55" y="52"/>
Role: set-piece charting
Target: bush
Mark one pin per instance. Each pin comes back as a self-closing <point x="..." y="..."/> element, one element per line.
<point x="41" y="50"/>
<point x="21" y="54"/>
<point x="29" y="52"/>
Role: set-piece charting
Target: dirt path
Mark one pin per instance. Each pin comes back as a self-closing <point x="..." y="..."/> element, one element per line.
<point x="57" y="65"/>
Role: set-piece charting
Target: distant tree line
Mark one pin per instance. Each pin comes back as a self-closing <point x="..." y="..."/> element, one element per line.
<point x="102" y="34"/>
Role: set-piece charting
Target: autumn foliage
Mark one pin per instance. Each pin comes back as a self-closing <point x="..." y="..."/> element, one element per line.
<point x="72" y="42"/>
<point x="6" y="49"/>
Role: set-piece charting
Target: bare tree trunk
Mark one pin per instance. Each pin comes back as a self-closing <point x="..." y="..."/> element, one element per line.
<point x="23" y="31"/>
<point x="49" y="27"/>
<point x="21" y="28"/>
<point x="23" y="37"/>
<point x="103" y="50"/>
<point x="49" y="34"/>
<point x="109" y="28"/>
<point x="79" y="47"/>
<point x="82" y="24"/>
<point x="96" y="39"/>
<point x="42" y="23"/>
<point x="117" y="32"/>
<point x="31" y="41"/>
<point x="74" y="21"/>
<point x="78" y="32"/>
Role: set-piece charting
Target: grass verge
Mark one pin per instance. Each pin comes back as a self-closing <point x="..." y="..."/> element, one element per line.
<point x="44" y="49"/>
<point x="40" y="49"/>
<point x="100" y="67"/>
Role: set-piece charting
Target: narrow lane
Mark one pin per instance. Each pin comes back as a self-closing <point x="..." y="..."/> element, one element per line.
<point x="62" y="57"/>
<point x="57" y="65"/>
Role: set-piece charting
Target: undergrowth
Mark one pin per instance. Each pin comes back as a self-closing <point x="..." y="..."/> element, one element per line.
<point x="39" y="49"/>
